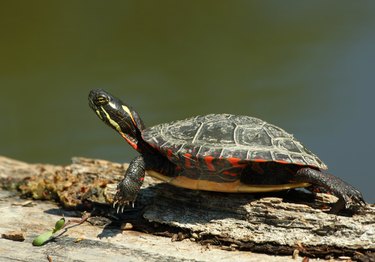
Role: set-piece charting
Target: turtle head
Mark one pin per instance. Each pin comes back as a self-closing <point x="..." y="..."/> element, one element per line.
<point x="117" y="115"/>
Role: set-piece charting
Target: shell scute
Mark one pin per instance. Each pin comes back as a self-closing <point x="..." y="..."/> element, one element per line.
<point x="253" y="137"/>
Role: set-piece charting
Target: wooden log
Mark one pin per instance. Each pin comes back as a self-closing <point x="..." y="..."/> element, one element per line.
<point x="273" y="224"/>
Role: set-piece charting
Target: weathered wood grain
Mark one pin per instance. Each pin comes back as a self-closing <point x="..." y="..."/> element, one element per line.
<point x="273" y="224"/>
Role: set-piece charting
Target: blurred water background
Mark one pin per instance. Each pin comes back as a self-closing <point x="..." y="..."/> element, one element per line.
<point x="307" y="66"/>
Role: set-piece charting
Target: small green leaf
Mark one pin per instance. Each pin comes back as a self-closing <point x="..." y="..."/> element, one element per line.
<point x="59" y="225"/>
<point x="43" y="238"/>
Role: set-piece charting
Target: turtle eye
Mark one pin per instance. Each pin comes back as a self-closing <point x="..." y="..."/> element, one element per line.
<point x="101" y="100"/>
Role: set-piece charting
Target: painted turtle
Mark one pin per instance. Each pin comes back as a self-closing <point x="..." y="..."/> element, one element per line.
<point x="217" y="152"/>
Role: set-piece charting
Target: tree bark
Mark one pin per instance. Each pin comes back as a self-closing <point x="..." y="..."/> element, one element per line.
<point x="274" y="223"/>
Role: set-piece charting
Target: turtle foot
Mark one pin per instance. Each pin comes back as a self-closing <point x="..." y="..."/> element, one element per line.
<point x="349" y="197"/>
<point x="128" y="188"/>
<point x="125" y="196"/>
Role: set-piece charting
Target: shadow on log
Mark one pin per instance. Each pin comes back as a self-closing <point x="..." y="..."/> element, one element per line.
<point x="274" y="223"/>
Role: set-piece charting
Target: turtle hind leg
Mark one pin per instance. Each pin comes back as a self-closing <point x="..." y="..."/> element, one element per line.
<point x="348" y="196"/>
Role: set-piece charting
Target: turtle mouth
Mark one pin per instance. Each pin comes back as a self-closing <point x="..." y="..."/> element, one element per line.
<point x="92" y="105"/>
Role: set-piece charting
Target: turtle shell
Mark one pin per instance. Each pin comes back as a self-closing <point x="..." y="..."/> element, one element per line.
<point x="224" y="136"/>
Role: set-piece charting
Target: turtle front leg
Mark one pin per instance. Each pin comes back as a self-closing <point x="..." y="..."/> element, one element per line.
<point x="347" y="194"/>
<point x="128" y="188"/>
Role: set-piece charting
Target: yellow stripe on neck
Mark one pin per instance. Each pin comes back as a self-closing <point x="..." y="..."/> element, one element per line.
<point x="127" y="110"/>
<point x="111" y="121"/>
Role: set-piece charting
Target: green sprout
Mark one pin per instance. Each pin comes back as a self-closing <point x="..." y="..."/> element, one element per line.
<point x="46" y="236"/>
<point x="60" y="224"/>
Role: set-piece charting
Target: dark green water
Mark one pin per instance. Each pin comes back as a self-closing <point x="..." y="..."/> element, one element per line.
<point x="307" y="66"/>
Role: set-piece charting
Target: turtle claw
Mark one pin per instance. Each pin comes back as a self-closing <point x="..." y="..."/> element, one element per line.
<point x="120" y="203"/>
<point x="354" y="199"/>
<point x="120" y="206"/>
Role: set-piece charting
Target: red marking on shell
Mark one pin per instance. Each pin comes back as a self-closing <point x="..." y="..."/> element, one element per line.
<point x="228" y="173"/>
<point x="260" y="160"/>
<point x="235" y="162"/>
<point x="208" y="161"/>
<point x="300" y="163"/>
<point x="282" y="162"/>
<point x="169" y="154"/>
<point x="187" y="160"/>
<point x="257" y="168"/>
